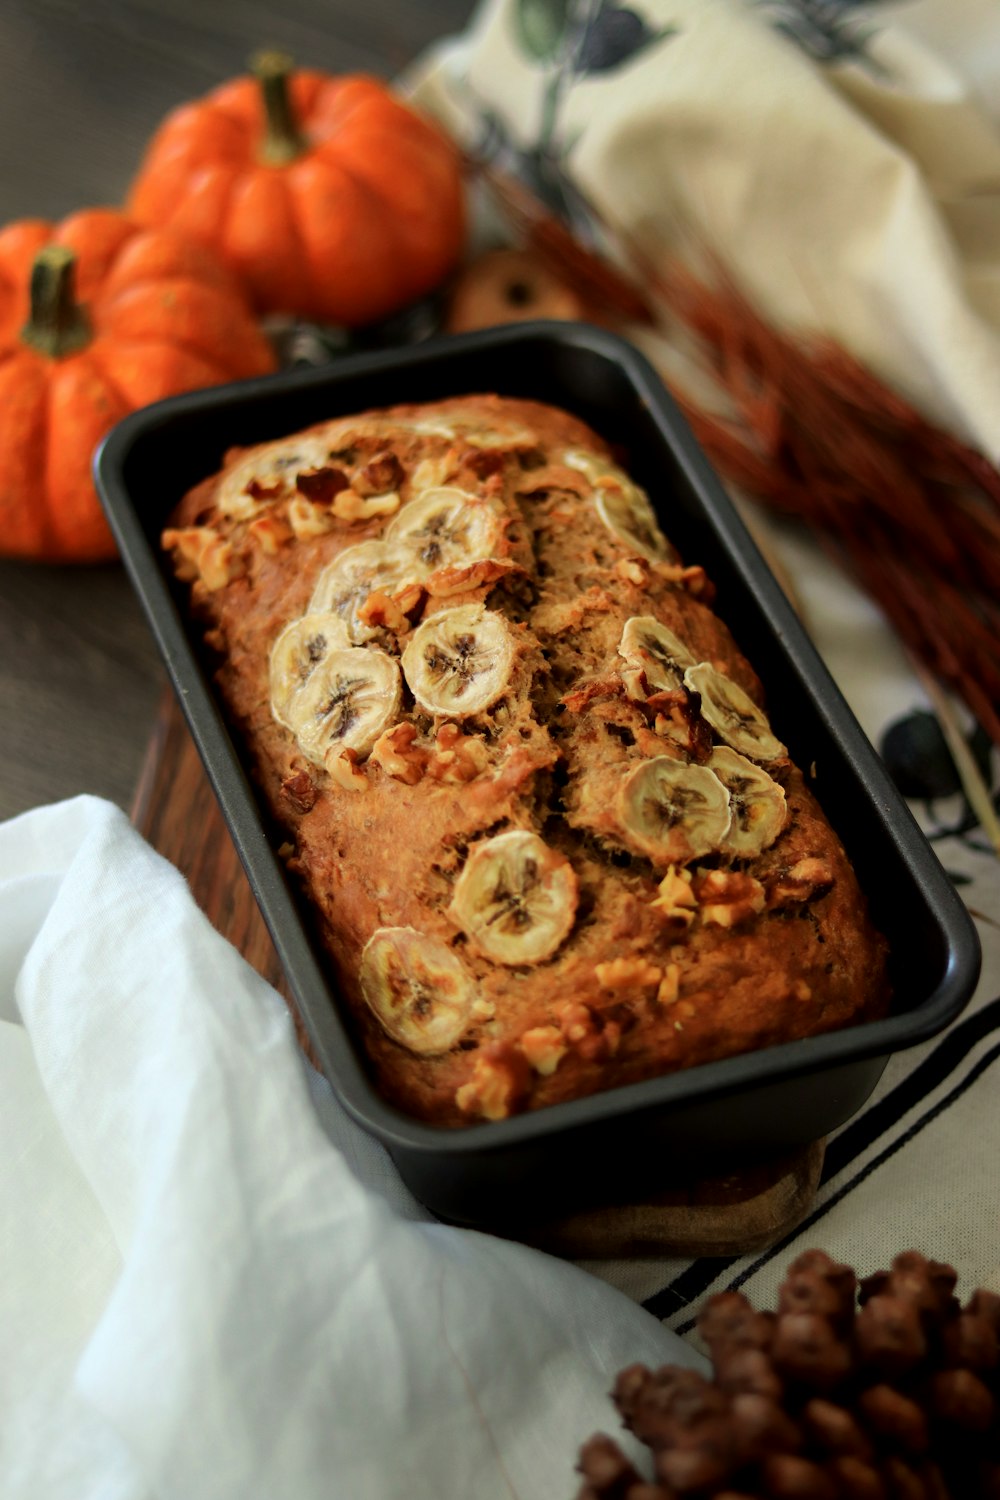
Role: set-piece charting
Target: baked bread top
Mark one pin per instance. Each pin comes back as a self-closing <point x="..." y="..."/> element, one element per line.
<point x="528" y="779"/>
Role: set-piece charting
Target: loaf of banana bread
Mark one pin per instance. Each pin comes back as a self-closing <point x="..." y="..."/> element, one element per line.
<point x="529" y="784"/>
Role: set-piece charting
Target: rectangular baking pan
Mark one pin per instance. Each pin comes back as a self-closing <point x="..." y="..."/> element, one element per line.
<point x="629" y="1140"/>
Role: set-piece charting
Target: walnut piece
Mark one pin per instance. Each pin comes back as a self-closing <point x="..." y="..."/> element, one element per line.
<point x="322" y="484"/>
<point x="270" y="532"/>
<point x="670" y="985"/>
<point x="593" y="1036"/>
<point x="204" y="554"/>
<point x="398" y="755"/>
<point x="628" y="974"/>
<point x="459" y="578"/>
<point x="459" y="757"/>
<point x="350" y="506"/>
<point x="727" y="897"/>
<point x="544" y="1048"/>
<point x="308" y="520"/>
<point x="805" y="880"/>
<point x="380" y="475"/>
<point x="346" y="772"/>
<point x="500" y="1080"/>
<point x="300" y="791"/>
<point x="676" y="901"/>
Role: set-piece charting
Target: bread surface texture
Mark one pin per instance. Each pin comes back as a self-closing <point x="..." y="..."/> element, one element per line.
<point x="528" y="780"/>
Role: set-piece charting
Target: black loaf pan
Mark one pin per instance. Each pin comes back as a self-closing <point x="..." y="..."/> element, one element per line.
<point x="627" y="1140"/>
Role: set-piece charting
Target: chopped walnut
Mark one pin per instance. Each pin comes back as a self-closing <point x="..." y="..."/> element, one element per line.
<point x="459" y="757"/>
<point x="544" y="1048"/>
<point x="380" y="475"/>
<point x="598" y="687"/>
<point x="204" y="554"/>
<point x="308" y="520"/>
<point x="432" y="473"/>
<point x="804" y="881"/>
<point x="461" y="577"/>
<point x="500" y="1080"/>
<point x="300" y="791"/>
<point x="321" y="485"/>
<point x="270" y="532"/>
<point x="398" y="755"/>
<point x="693" y="580"/>
<point x="592" y="1035"/>
<point x="727" y="897"/>
<point x="384" y="613"/>
<point x="670" y="985"/>
<point x="676" y="720"/>
<point x="391" y="611"/>
<point x="350" y="506"/>
<point x="345" y="771"/>
<point x="676" y="901"/>
<point x="634" y="570"/>
<point x="627" y="974"/>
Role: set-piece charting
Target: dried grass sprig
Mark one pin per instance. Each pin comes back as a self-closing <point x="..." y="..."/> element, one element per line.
<point x="912" y="511"/>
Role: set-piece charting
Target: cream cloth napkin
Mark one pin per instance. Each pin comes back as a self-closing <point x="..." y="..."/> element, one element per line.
<point x="838" y="157"/>
<point x="212" y="1284"/>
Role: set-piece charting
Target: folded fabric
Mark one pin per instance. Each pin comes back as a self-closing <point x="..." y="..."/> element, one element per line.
<point x="830" y="155"/>
<point x="214" y="1284"/>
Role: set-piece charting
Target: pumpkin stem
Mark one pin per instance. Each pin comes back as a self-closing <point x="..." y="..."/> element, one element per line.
<point x="283" y="141"/>
<point x="58" y="324"/>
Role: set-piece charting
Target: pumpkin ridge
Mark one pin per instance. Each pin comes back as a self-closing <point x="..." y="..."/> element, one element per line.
<point x="101" y="354"/>
<point x="104" y="314"/>
<point x="296" y="209"/>
<point x="342" y="250"/>
<point x="370" y="191"/>
<point x="224" y="373"/>
<point x="58" y="409"/>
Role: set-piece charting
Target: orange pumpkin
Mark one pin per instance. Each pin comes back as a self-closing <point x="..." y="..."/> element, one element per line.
<point x="97" y="317"/>
<point x="331" y="199"/>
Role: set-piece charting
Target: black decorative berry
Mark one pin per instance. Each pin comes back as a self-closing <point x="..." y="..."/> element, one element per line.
<point x="917" y="757"/>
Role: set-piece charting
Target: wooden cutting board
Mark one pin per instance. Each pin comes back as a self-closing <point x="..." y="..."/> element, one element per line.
<point x="176" y="810"/>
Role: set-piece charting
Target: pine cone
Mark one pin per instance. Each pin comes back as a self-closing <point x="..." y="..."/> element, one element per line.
<point x="897" y="1398"/>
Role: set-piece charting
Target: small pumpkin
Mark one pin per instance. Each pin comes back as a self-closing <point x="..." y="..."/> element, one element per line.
<point x="331" y="199"/>
<point x="99" y="316"/>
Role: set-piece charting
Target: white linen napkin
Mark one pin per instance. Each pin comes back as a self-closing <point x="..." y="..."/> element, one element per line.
<point x="212" y="1283"/>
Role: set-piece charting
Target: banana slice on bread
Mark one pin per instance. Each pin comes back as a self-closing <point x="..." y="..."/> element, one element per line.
<point x="622" y="506"/>
<point x="733" y="714"/>
<point x="417" y="989"/>
<point x="655" y="659"/>
<point x="300" y="649"/>
<point x="445" y="528"/>
<point x="356" y="573"/>
<point x="673" y="812"/>
<point x="459" y="662"/>
<point x="756" y="801"/>
<point x="516" y="898"/>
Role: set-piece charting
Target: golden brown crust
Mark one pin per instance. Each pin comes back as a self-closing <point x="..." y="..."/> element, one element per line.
<point x="660" y="963"/>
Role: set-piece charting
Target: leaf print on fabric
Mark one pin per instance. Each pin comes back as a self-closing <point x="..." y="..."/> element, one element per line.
<point x="612" y="37"/>
<point x="570" y="40"/>
<point x="918" y="759"/>
<point x="830" y="31"/>
<point x="540" y="26"/>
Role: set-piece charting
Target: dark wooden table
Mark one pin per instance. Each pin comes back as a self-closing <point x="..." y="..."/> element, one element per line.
<point x="82" y="87"/>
